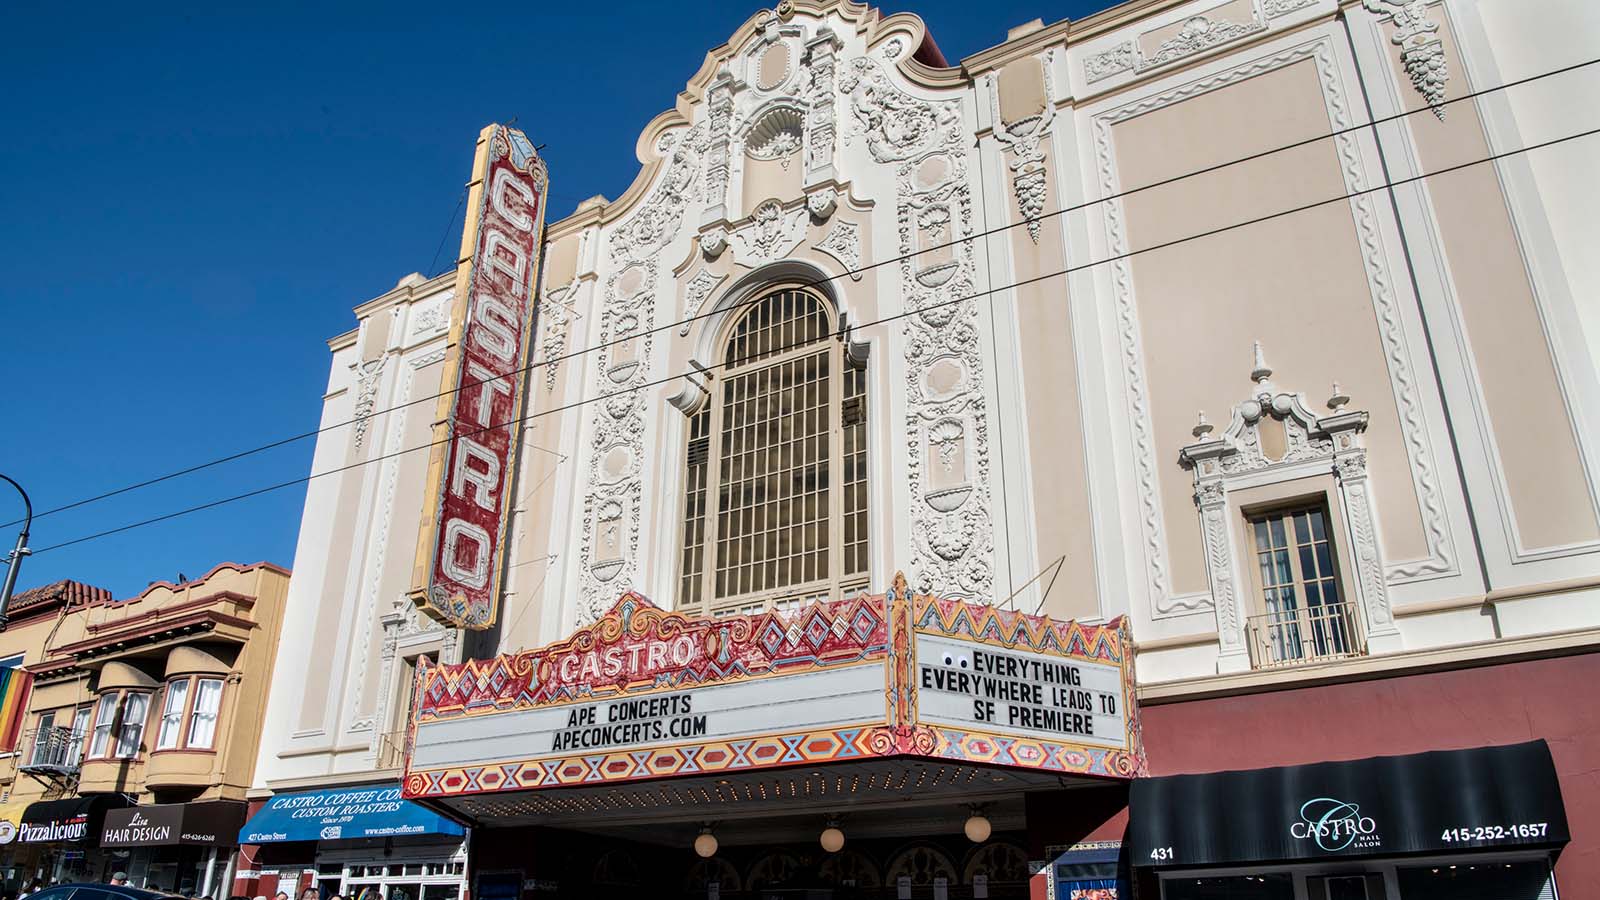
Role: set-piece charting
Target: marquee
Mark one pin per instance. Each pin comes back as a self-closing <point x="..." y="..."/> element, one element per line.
<point x="647" y="693"/>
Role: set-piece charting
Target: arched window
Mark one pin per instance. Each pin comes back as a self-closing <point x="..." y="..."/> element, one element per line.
<point x="775" y="505"/>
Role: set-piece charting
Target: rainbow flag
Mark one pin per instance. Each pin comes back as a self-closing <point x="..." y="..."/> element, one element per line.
<point x="14" y="688"/>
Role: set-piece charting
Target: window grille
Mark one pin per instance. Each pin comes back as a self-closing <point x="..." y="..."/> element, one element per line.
<point x="775" y="492"/>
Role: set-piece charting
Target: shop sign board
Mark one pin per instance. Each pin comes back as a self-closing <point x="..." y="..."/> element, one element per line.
<point x="646" y="693"/>
<point x="207" y="823"/>
<point x="457" y="576"/>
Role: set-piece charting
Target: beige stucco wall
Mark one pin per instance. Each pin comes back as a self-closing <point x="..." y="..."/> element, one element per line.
<point x="1297" y="284"/>
<point x="1532" y="427"/>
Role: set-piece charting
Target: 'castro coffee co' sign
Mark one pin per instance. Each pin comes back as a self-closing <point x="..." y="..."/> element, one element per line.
<point x="458" y="555"/>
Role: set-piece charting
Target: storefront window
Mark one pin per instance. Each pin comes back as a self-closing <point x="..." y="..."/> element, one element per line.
<point x="203" y="723"/>
<point x="172" y="714"/>
<point x="1479" y="881"/>
<point x="1237" y="887"/>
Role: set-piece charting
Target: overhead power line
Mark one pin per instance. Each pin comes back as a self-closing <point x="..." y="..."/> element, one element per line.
<point x="294" y="438"/>
<point x="1386" y="185"/>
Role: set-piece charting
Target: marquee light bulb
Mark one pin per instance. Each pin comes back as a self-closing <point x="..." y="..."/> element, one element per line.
<point x="705" y="845"/>
<point x="977" y="828"/>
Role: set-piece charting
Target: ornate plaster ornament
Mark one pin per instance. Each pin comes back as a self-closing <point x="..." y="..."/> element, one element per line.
<point x="367" y="375"/>
<point x="1421" y="51"/>
<point x="1123" y="57"/>
<point x="433" y="318"/>
<point x="822" y="56"/>
<point x="946" y="419"/>
<point x="695" y="294"/>
<point x="713" y="242"/>
<point x="896" y="126"/>
<point x="843" y="242"/>
<point x="893" y="49"/>
<point x="1276" y="8"/>
<point x="1027" y="165"/>
<point x="772" y="234"/>
<point x="1197" y="35"/>
<point x="1237" y="458"/>
<point x="614" y="493"/>
<point x="555" y="321"/>
<point x="821" y="203"/>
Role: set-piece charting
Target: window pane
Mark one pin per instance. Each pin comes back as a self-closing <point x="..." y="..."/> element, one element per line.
<point x="1262" y="541"/>
<point x="1302" y="533"/>
<point x="203" y="723"/>
<point x="1278" y="538"/>
<point x="1237" y="887"/>
<point x="104" y="718"/>
<point x="172" y="714"/>
<point x="134" y="710"/>
<point x="1319" y="528"/>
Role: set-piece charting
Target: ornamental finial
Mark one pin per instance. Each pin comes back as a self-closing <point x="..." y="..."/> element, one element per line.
<point x="1339" y="400"/>
<point x="1262" y="371"/>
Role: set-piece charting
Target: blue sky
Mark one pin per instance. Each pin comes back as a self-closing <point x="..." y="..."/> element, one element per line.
<point x="194" y="197"/>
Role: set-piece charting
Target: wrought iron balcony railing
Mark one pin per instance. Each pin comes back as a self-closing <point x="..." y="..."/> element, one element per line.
<point x="1305" y="634"/>
<point x="54" y="751"/>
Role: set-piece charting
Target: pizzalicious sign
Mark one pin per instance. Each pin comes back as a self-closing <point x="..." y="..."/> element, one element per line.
<point x="645" y="693"/>
<point x="464" y="527"/>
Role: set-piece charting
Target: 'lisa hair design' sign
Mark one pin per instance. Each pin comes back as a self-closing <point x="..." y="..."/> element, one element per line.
<point x="646" y="693"/>
<point x="457" y="574"/>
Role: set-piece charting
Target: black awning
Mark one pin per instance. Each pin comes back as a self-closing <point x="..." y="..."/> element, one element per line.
<point x="71" y="819"/>
<point x="205" y="823"/>
<point x="1440" y="802"/>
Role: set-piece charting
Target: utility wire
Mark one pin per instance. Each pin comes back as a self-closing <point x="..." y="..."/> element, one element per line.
<point x="886" y="319"/>
<point x="290" y="439"/>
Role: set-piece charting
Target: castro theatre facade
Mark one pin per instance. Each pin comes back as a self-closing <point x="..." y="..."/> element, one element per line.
<point x="880" y="746"/>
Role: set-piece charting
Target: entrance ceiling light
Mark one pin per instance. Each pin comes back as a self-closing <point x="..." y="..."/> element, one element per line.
<point x="705" y="845"/>
<point x="977" y="826"/>
<point x="832" y="837"/>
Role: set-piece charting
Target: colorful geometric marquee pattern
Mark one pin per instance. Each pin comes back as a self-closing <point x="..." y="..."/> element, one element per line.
<point x="639" y="649"/>
<point x="1015" y="630"/>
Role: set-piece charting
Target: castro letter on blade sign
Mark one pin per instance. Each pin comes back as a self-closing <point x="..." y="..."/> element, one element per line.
<point x="462" y="537"/>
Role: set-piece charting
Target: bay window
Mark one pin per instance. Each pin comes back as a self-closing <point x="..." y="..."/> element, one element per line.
<point x="172" y="714"/>
<point x="119" y="724"/>
<point x="189" y="714"/>
<point x="203" y="721"/>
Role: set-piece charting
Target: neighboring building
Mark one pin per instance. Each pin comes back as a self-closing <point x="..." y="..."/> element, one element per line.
<point x="143" y="728"/>
<point x="31" y="619"/>
<point x="843" y="332"/>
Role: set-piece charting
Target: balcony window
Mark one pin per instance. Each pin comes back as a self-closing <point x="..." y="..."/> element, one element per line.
<point x="172" y="715"/>
<point x="203" y="721"/>
<point x="1304" y="616"/>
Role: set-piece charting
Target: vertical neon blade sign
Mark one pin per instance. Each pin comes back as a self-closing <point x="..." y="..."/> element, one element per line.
<point x="459" y="548"/>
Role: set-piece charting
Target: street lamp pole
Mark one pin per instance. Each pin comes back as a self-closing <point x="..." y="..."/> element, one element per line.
<point x="15" y="559"/>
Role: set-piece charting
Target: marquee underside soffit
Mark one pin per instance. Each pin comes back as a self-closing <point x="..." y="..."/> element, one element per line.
<point x="848" y="788"/>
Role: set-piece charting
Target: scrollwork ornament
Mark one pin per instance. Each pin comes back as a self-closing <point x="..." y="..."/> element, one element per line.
<point x="1421" y="50"/>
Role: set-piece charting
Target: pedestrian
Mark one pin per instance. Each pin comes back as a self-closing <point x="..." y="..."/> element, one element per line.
<point x="282" y="895"/>
<point x="310" y="894"/>
<point x="119" y="878"/>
